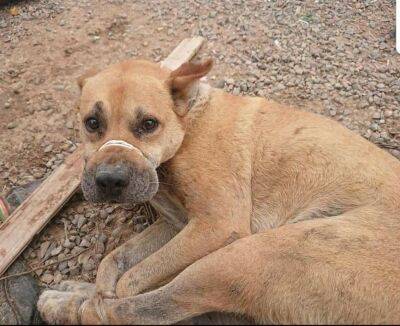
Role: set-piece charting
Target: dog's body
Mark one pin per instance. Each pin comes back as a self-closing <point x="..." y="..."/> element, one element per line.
<point x="291" y="218"/>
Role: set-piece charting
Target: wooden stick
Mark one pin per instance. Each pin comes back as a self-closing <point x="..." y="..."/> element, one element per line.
<point x="185" y="51"/>
<point x="41" y="206"/>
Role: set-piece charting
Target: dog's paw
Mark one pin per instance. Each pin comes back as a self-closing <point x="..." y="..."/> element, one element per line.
<point x="60" y="308"/>
<point x="86" y="289"/>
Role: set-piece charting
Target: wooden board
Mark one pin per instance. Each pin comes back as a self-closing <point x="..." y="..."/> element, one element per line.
<point x="185" y="51"/>
<point x="37" y="210"/>
<point x="41" y="206"/>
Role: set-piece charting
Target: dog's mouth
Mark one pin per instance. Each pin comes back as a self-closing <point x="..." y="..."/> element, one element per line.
<point x="121" y="182"/>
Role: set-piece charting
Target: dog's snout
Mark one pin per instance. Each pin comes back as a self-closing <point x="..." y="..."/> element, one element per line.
<point x="112" y="179"/>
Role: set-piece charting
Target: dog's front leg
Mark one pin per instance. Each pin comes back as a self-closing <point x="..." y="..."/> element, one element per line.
<point x="116" y="263"/>
<point x="199" y="238"/>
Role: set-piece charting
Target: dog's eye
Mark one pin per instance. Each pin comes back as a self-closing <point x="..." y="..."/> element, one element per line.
<point x="92" y="124"/>
<point x="149" y="124"/>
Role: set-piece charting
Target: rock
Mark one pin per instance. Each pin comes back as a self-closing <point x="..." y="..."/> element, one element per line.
<point x="43" y="249"/>
<point x="69" y="125"/>
<point x="56" y="251"/>
<point x="48" y="148"/>
<point x="220" y="84"/>
<point x="62" y="266"/>
<point x="110" y="209"/>
<point x="109" y="219"/>
<point x="47" y="278"/>
<point x="12" y="125"/>
<point x="68" y="244"/>
<point x="81" y="221"/>
<point x="396" y="153"/>
<point x="374" y="126"/>
<point x="102" y="238"/>
<point x="58" y="278"/>
<point x="88" y="265"/>
<point x="84" y="243"/>
<point x="376" y="115"/>
<point x="103" y="214"/>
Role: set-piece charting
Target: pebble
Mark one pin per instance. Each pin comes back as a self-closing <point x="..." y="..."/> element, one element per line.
<point x="84" y="243"/>
<point x="81" y="221"/>
<point x="47" y="278"/>
<point x="43" y="249"/>
<point x="48" y="148"/>
<point x="56" y="251"/>
<point x="12" y="125"/>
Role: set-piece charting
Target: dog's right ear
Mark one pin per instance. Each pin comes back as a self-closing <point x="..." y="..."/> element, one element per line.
<point x="83" y="79"/>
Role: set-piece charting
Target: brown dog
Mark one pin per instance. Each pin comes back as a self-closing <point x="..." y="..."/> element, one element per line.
<point x="291" y="218"/>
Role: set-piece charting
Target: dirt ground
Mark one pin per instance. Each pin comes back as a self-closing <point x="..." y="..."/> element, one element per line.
<point x="336" y="58"/>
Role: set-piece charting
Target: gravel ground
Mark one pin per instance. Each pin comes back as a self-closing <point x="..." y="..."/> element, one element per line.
<point x="334" y="58"/>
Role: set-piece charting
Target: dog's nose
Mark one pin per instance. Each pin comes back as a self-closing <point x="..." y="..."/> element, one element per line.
<point x="112" y="179"/>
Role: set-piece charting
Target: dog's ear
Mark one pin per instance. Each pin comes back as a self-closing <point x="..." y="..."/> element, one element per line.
<point x="83" y="79"/>
<point x="182" y="80"/>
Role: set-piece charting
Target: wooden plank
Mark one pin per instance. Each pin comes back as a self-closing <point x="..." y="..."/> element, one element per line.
<point x="37" y="210"/>
<point x="184" y="52"/>
<point x="40" y="207"/>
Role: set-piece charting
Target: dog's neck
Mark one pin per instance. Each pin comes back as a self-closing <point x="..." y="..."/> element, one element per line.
<point x="199" y="97"/>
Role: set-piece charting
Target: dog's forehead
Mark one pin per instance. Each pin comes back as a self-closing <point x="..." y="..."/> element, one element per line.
<point x="124" y="86"/>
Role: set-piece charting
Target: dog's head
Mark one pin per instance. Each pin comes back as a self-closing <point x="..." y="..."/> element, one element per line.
<point x="132" y="120"/>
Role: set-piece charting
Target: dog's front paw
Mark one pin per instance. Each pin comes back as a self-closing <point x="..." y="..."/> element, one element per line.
<point x="58" y="307"/>
<point x="85" y="289"/>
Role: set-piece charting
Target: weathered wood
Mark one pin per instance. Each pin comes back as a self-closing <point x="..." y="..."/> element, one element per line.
<point x="184" y="52"/>
<point x="37" y="210"/>
<point x="41" y="206"/>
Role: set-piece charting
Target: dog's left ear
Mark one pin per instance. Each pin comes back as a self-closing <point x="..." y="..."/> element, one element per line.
<point x="182" y="81"/>
<point x="83" y="79"/>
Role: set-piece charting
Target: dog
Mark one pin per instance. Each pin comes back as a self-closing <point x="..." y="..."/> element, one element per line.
<point x="271" y="213"/>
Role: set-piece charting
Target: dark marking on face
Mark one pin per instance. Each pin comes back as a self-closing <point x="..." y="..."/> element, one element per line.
<point x="97" y="113"/>
<point x="144" y="123"/>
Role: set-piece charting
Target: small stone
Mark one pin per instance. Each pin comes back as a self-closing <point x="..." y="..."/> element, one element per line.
<point x="48" y="148"/>
<point x="84" y="243"/>
<point x="12" y="125"/>
<point x="388" y="113"/>
<point x="102" y="238"/>
<point x="396" y="153"/>
<point x="43" y="249"/>
<point x="88" y="265"/>
<point x="103" y="214"/>
<point x="81" y="221"/>
<point x="109" y="219"/>
<point x="220" y="84"/>
<point x="110" y="209"/>
<point x="58" y="278"/>
<point x="7" y="105"/>
<point x="69" y="125"/>
<point x="56" y="251"/>
<point x="374" y="126"/>
<point x="74" y="271"/>
<point x="62" y="266"/>
<point x="47" y="278"/>
<point x="236" y="91"/>
<point x="376" y="115"/>
<point x="100" y="248"/>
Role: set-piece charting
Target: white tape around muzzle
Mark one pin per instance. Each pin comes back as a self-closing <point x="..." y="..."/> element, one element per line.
<point x="120" y="143"/>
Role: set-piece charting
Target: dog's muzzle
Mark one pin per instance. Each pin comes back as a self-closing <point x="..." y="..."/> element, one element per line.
<point x="123" y="180"/>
